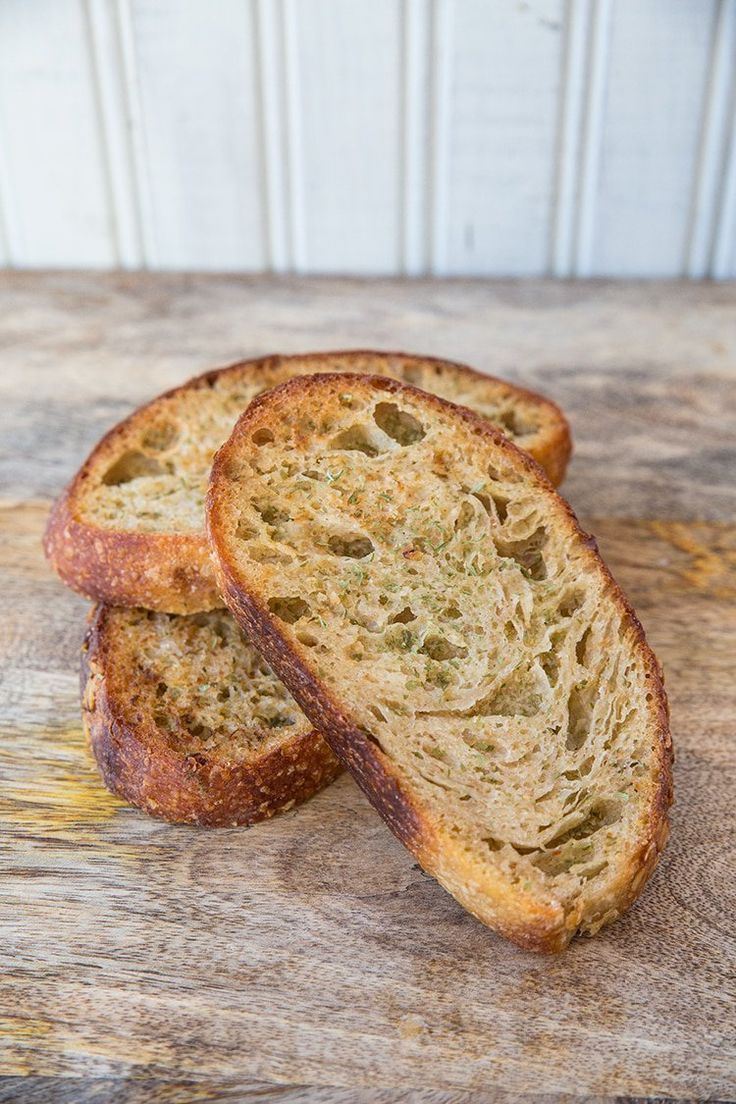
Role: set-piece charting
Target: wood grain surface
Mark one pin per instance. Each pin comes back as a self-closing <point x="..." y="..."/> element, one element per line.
<point x="310" y="959"/>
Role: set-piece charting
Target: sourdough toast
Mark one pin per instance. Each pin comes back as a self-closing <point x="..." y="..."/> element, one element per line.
<point x="129" y="529"/>
<point x="188" y="723"/>
<point x="432" y="603"/>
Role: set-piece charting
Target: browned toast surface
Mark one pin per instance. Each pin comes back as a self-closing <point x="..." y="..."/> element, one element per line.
<point x="188" y="722"/>
<point x="426" y="595"/>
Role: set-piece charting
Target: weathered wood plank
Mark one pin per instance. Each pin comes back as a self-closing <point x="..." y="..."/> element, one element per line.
<point x="74" y="1090"/>
<point x="310" y="958"/>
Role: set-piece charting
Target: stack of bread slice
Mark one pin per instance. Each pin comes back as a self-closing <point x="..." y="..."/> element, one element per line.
<point x="389" y="582"/>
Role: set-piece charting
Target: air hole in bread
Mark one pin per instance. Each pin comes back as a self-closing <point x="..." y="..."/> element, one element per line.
<point x="262" y="437"/>
<point x="398" y="424"/>
<point x="377" y="713"/>
<point x="351" y="546"/>
<point x="522" y="849"/>
<point x="132" y="465"/>
<point x="501" y="505"/>
<point x="271" y="513"/>
<point x="579" y="711"/>
<point x="307" y="639"/>
<point x="465" y="515"/>
<point x="358" y="438"/>
<point x="450" y="613"/>
<point x="484" y="499"/>
<point x="601" y="814"/>
<point x="281" y="720"/>
<point x="160" y="689"/>
<point x="571" y="603"/>
<point x="493" y="844"/>
<point x="574" y="775"/>
<point x="550" y="664"/>
<point x="513" y="423"/>
<point x="201" y="730"/>
<point x="593" y="871"/>
<point x="161" y="437"/>
<point x="244" y="530"/>
<point x="441" y="649"/>
<point x="403" y="617"/>
<point x="553" y="863"/>
<point x="580" y="647"/>
<point x="288" y="609"/>
<point x="503" y="473"/>
<point x="268" y="554"/>
<point x="528" y="553"/>
<point x="370" y="736"/>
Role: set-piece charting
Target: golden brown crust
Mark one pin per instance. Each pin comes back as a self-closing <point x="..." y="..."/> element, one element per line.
<point x="531" y="925"/>
<point x="171" y="571"/>
<point x="140" y="766"/>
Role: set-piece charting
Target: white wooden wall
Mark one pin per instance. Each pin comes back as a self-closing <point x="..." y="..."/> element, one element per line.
<point x="480" y="137"/>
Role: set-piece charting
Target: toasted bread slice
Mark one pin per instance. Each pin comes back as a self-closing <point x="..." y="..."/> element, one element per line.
<point x="129" y="530"/>
<point x="432" y="603"/>
<point x="188" y="722"/>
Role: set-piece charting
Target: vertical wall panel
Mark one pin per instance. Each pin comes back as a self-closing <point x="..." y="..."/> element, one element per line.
<point x="714" y="143"/>
<point x="54" y="193"/>
<point x="724" y="251"/>
<point x="107" y="23"/>
<point x="196" y="70"/>
<point x="657" y="83"/>
<point x="575" y="90"/>
<point x="416" y="43"/>
<point x="505" y="83"/>
<point x="349" y="80"/>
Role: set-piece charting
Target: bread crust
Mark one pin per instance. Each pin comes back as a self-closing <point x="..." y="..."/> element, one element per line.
<point x="517" y="916"/>
<point x="171" y="571"/>
<point x="138" y="765"/>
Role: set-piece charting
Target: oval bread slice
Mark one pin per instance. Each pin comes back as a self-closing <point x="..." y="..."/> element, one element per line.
<point x="431" y="601"/>
<point x="129" y="529"/>
<point x="188" y="722"/>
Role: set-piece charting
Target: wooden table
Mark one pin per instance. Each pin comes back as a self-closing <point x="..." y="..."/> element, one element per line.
<point x="309" y="959"/>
